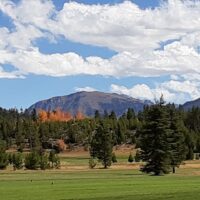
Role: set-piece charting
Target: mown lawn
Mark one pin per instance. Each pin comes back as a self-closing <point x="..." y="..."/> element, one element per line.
<point x="99" y="185"/>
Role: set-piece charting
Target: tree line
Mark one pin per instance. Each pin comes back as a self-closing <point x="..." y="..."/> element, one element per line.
<point x="163" y="134"/>
<point x="32" y="161"/>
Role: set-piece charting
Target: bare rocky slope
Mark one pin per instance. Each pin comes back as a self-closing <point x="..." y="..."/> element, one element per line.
<point x="89" y="102"/>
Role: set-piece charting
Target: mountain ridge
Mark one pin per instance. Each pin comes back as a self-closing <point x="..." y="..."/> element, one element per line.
<point x="190" y="104"/>
<point x="89" y="102"/>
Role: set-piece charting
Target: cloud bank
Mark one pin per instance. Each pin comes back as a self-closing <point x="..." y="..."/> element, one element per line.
<point x="148" y="42"/>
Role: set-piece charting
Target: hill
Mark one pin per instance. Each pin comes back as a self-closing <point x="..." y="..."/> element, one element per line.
<point x="89" y="102"/>
<point x="188" y="105"/>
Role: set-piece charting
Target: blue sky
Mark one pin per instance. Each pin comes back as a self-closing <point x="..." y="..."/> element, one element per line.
<point x="126" y="47"/>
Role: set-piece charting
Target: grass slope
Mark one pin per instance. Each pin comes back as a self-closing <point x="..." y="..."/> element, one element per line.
<point x="99" y="185"/>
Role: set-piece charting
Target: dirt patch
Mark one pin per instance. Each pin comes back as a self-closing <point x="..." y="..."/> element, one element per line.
<point x="120" y="150"/>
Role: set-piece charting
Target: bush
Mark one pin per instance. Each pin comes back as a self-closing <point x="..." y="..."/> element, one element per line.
<point x="44" y="162"/>
<point x="32" y="160"/>
<point x="137" y="156"/>
<point x="3" y="160"/>
<point x="2" y="145"/>
<point x="17" y="161"/>
<point x="36" y="160"/>
<point x="92" y="163"/>
<point x="130" y="158"/>
<point x="114" y="158"/>
<point x="54" y="160"/>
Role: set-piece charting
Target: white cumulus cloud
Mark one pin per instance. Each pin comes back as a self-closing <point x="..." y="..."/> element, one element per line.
<point x="173" y="91"/>
<point x="85" y="89"/>
<point x="147" y="42"/>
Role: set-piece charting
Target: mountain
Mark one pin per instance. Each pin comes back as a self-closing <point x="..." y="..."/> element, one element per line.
<point x="188" y="105"/>
<point x="89" y="102"/>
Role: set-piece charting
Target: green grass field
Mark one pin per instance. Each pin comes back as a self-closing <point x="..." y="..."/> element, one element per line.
<point x="99" y="184"/>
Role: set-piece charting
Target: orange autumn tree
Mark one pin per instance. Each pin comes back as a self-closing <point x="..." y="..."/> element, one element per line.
<point x="56" y="115"/>
<point x="68" y="115"/>
<point x="42" y="115"/>
<point x="79" y="116"/>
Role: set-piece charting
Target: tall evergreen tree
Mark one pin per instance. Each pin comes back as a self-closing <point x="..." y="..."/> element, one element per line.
<point x="101" y="144"/>
<point x="153" y="140"/>
<point x="177" y="139"/>
<point x="130" y="114"/>
<point x="113" y="115"/>
<point x="97" y="115"/>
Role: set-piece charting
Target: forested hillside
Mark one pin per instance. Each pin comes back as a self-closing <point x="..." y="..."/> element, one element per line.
<point x="157" y="126"/>
<point x="20" y="130"/>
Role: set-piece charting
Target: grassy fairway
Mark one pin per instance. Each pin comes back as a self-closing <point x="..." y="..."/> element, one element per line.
<point x="99" y="185"/>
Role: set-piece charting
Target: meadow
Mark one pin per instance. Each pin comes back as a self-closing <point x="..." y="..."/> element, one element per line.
<point x="98" y="184"/>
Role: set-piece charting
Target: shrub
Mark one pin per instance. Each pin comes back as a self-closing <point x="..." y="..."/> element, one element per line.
<point x="32" y="160"/>
<point x="54" y="160"/>
<point x="17" y="161"/>
<point x="114" y="158"/>
<point x="137" y="156"/>
<point x="130" y="158"/>
<point x="3" y="160"/>
<point x="92" y="163"/>
<point x="44" y="162"/>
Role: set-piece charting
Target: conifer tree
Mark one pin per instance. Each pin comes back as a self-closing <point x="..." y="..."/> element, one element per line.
<point x="3" y="160"/>
<point x="97" y="115"/>
<point x="153" y="140"/>
<point x="176" y="139"/>
<point x="130" y="114"/>
<point x="101" y="144"/>
<point x="17" y="161"/>
<point x="32" y="160"/>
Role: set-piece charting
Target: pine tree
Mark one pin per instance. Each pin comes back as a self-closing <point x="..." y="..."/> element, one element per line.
<point x="130" y="114"/>
<point x="120" y="132"/>
<point x="113" y="115"/>
<point x="97" y="115"/>
<point x="101" y="144"/>
<point x="176" y="139"/>
<point x="153" y="140"/>
<point x="32" y="160"/>
<point x="3" y="155"/>
<point x="17" y="161"/>
<point x="3" y="160"/>
<point x="34" y="115"/>
<point x="19" y="135"/>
